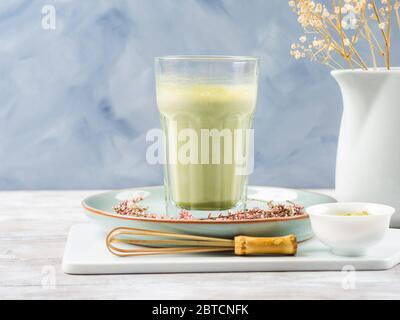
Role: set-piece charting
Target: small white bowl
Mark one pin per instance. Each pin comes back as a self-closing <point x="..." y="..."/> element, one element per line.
<point x="350" y="235"/>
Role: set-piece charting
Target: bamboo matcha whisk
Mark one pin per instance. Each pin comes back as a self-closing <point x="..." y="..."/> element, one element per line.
<point x="173" y="243"/>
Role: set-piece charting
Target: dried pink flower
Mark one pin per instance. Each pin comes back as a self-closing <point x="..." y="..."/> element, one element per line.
<point x="273" y="210"/>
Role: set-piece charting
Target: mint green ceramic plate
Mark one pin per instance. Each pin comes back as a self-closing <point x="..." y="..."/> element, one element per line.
<point x="99" y="209"/>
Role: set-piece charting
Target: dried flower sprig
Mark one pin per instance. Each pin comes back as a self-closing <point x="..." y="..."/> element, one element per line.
<point x="273" y="210"/>
<point x="331" y="35"/>
<point x="132" y="207"/>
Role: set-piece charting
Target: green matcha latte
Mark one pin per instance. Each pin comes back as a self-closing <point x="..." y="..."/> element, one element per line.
<point x="207" y="106"/>
<point x="202" y="175"/>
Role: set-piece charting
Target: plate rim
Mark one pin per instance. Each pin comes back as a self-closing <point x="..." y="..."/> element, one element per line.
<point x="176" y="221"/>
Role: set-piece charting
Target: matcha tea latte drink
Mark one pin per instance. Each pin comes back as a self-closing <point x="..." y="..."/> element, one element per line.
<point x="207" y="105"/>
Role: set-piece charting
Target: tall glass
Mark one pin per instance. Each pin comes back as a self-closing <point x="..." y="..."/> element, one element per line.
<point x="207" y="105"/>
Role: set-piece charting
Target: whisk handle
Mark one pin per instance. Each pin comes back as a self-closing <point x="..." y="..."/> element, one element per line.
<point x="277" y="245"/>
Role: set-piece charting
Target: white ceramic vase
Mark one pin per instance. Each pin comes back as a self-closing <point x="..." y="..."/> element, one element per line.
<point x="368" y="158"/>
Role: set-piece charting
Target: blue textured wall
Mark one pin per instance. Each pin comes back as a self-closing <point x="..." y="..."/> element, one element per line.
<point x="76" y="102"/>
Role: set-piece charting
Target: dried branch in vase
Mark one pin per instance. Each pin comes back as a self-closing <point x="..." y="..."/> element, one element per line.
<point x="333" y="35"/>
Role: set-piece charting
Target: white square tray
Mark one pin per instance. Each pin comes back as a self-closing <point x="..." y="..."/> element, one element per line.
<point x="86" y="253"/>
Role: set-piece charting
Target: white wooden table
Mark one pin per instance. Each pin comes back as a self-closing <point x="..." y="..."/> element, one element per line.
<point x="34" y="227"/>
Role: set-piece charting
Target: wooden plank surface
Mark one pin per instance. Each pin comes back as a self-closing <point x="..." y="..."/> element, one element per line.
<point x="34" y="227"/>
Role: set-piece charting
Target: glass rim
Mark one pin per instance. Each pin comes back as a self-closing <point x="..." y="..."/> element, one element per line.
<point x="207" y="58"/>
